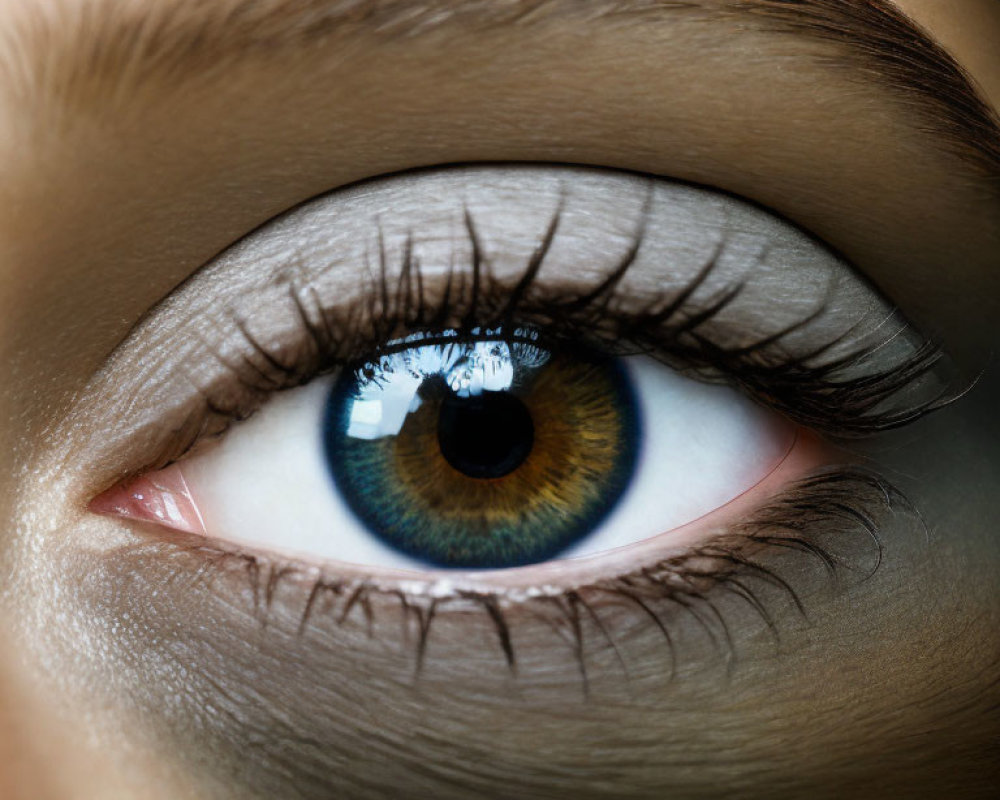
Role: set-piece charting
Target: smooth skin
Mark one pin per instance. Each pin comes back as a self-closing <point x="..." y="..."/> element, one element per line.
<point x="118" y="184"/>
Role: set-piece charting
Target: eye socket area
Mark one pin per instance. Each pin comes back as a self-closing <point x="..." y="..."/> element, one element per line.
<point x="273" y="483"/>
<point x="578" y="255"/>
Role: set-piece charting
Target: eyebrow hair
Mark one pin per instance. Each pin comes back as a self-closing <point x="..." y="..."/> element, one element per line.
<point x="178" y="41"/>
<point x="925" y="76"/>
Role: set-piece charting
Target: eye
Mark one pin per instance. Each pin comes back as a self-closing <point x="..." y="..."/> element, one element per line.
<point x="487" y="450"/>
<point x="485" y="368"/>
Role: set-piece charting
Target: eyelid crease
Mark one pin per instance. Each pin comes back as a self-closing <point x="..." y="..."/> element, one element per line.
<point x="216" y="357"/>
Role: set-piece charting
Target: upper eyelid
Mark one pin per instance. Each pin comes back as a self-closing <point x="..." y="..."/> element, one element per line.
<point x="838" y="202"/>
<point x="272" y="260"/>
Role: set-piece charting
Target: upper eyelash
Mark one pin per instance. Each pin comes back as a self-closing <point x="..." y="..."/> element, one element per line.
<point x="842" y="396"/>
<point x="833" y="395"/>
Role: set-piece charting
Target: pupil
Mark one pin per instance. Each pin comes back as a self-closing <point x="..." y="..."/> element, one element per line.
<point x="485" y="436"/>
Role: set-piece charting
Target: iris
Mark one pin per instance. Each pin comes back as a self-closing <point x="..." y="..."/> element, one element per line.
<point x="482" y="450"/>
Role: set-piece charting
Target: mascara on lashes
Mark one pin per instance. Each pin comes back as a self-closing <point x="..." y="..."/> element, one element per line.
<point x="453" y="265"/>
<point x="705" y="283"/>
<point x="827" y="530"/>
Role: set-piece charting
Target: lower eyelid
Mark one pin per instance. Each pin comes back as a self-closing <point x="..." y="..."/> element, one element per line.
<point x="832" y="520"/>
<point x="807" y="454"/>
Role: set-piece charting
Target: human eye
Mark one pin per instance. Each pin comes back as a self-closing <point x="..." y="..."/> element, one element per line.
<point x="763" y="233"/>
<point x="429" y="379"/>
<point x="390" y="464"/>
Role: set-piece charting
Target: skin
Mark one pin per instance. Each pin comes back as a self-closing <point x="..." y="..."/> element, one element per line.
<point x="109" y="201"/>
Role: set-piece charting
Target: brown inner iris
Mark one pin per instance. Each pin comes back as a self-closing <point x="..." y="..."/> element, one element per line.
<point x="575" y="440"/>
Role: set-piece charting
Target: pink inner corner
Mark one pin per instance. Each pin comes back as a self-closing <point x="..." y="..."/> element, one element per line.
<point x="161" y="497"/>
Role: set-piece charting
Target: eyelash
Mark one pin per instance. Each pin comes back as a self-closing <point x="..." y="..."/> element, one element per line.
<point x="850" y="506"/>
<point x="837" y="396"/>
<point x="819" y="394"/>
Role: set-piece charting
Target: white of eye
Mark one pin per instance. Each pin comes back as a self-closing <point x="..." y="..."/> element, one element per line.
<point x="268" y="484"/>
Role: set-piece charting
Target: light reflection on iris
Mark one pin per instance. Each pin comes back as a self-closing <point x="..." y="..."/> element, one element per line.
<point x="390" y="389"/>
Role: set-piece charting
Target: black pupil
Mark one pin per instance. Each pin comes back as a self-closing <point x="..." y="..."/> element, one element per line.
<point x="485" y="436"/>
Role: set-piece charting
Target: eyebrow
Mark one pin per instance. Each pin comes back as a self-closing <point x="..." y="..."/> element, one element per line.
<point x="178" y="41"/>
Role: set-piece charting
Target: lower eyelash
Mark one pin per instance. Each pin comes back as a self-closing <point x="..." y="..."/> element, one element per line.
<point x="833" y="520"/>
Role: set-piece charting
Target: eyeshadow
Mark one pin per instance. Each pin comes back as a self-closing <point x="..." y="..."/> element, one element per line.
<point x="712" y="286"/>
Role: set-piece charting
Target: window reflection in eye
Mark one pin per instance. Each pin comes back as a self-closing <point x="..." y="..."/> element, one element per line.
<point x="490" y="406"/>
